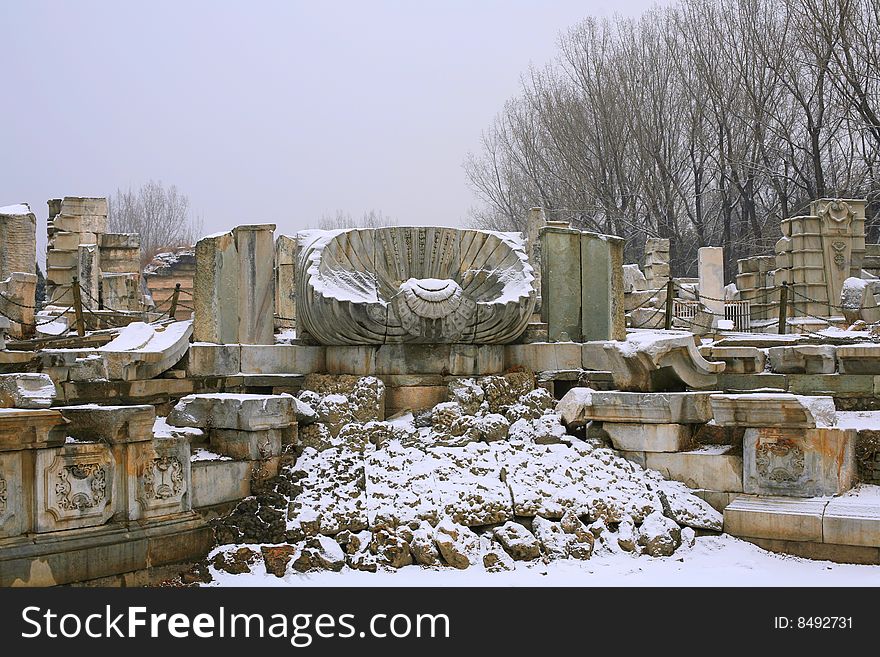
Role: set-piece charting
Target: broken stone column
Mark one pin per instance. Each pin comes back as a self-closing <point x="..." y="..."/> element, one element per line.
<point x="711" y="272"/>
<point x="234" y="286"/>
<point x="602" y="305"/>
<point x="561" y="289"/>
<point x="656" y="262"/>
<point x="285" y="281"/>
<point x="18" y="240"/>
<point x="73" y="221"/>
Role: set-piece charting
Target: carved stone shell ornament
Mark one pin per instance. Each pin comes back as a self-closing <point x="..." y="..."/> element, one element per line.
<point x="413" y="284"/>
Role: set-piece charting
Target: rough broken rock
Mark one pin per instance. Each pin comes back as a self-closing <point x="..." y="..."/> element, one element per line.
<point x="659" y="535"/>
<point x="319" y="553"/>
<point x="459" y="546"/>
<point x="26" y="391"/>
<point x="519" y="542"/>
<point x="277" y="557"/>
<point x="552" y="537"/>
<point x="422" y="545"/>
<point x="495" y="559"/>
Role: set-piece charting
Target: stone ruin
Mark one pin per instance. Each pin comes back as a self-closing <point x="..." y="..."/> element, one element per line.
<point x="425" y="397"/>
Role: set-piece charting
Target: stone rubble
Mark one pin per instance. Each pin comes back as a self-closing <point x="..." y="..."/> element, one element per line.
<point x="387" y="494"/>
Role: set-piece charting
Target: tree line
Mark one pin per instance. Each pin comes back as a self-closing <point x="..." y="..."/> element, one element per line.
<point x="706" y="123"/>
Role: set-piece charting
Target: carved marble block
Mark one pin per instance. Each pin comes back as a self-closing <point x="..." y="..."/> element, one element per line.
<point x="13" y="516"/>
<point x="413" y="284"/>
<point x="798" y="462"/>
<point x="159" y="478"/>
<point x="74" y="486"/>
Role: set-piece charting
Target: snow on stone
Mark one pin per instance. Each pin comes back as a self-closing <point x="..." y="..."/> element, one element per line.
<point x="204" y="454"/>
<point x="853" y="292"/>
<point x="858" y="420"/>
<point x="18" y="208"/>
<point x="161" y="429"/>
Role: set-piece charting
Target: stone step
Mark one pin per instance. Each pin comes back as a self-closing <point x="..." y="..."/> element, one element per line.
<point x="717" y="468"/>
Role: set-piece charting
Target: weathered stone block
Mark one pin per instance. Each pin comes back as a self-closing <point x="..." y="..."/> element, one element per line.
<point x="738" y="360"/>
<point x="710" y="265"/>
<point x="781" y="518"/>
<point x="249" y="445"/>
<point x="852" y="521"/>
<point x="18" y="240"/>
<point x="803" y="359"/>
<point x="14" y="517"/>
<point x="74" y="486"/>
<point x="561" y="283"/>
<point x="649" y="437"/>
<point x="581" y="404"/>
<point x="414" y="397"/>
<point x="543" y="356"/>
<point x="232" y="411"/>
<point x="26" y="390"/>
<point x="216" y="290"/>
<point x="205" y="359"/>
<point x="859" y="359"/>
<point x="798" y="462"/>
<point x="602" y="305"/>
<point x="110" y="424"/>
<point x="282" y="359"/>
<point x="30" y="429"/>
<point x="218" y="481"/>
<point x="158" y="478"/>
<point x="773" y="410"/>
<point x="256" y="254"/>
<point x="712" y="468"/>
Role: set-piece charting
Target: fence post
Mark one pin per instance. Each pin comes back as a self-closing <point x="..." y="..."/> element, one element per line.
<point x="783" y="308"/>
<point x="77" y="307"/>
<point x="670" y="289"/>
<point x="172" y="312"/>
<point x="100" y="295"/>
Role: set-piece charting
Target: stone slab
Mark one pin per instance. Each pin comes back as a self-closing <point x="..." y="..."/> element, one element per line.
<point x="30" y="429"/>
<point x="715" y="469"/>
<point x="26" y="390"/>
<point x="158" y="478"/>
<point x="414" y="397"/>
<point x="738" y="360"/>
<point x="649" y="437"/>
<point x="859" y="359"/>
<point x="561" y="282"/>
<point x="803" y="359"/>
<point x="234" y="411"/>
<point x="110" y="424"/>
<point x="581" y="404"/>
<point x="217" y="482"/>
<point x="780" y="518"/>
<point x="773" y="410"/>
<point x="850" y="554"/>
<point x="207" y="359"/>
<point x="282" y="359"/>
<point x="602" y="303"/>
<point x="852" y="521"/>
<point x="544" y="356"/>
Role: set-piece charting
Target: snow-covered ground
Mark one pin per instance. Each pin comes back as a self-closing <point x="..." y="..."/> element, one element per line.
<point x="713" y="561"/>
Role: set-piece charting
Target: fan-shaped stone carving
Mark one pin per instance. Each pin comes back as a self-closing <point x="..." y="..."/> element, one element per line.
<point x="413" y="284"/>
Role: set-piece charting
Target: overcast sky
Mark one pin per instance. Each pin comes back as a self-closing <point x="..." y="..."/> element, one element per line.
<point x="265" y="111"/>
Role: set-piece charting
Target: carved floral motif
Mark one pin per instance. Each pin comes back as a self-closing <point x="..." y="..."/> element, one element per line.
<point x="3" y="496"/>
<point x="781" y="461"/>
<point x="81" y="486"/>
<point x="163" y="478"/>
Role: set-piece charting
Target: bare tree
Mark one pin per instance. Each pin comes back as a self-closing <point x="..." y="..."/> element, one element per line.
<point x="704" y="122"/>
<point x="161" y="216"/>
<point x="370" y="219"/>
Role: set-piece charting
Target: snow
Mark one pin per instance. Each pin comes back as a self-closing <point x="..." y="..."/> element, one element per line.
<point x="18" y="208"/>
<point x="853" y="293"/>
<point x="712" y="561"/>
<point x="139" y="336"/>
<point x="725" y="324"/>
<point x="204" y="454"/>
<point x="161" y="429"/>
<point x="132" y="337"/>
<point x="858" y="420"/>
